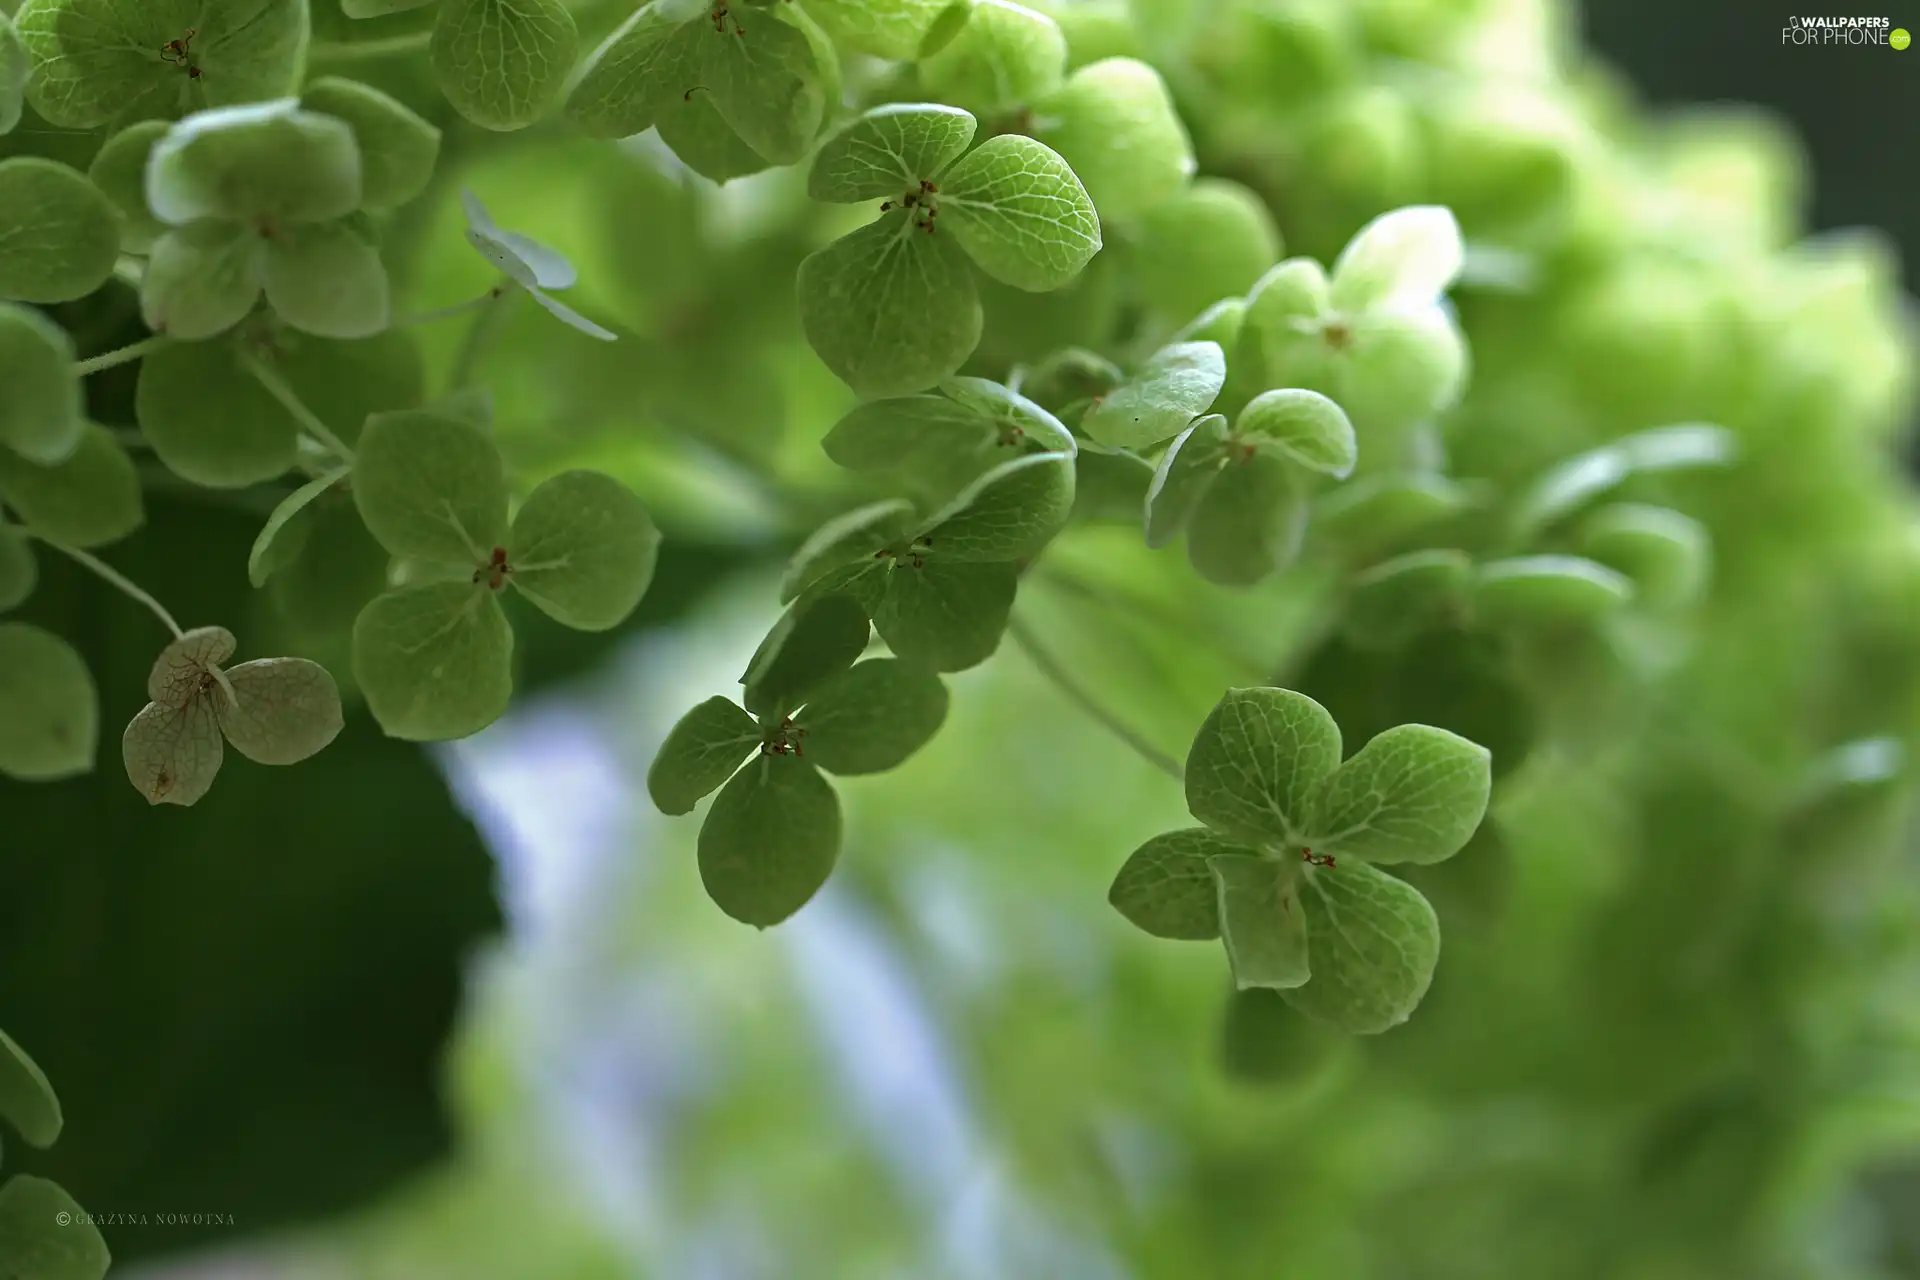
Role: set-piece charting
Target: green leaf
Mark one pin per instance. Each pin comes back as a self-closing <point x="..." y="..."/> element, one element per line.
<point x="1008" y="513"/>
<point x="51" y="728"/>
<point x="700" y="753"/>
<point x="1413" y="794"/>
<point x="1005" y="57"/>
<point x="1397" y="599"/>
<point x="97" y="63"/>
<point x="626" y="83"/>
<point x="1184" y="478"/>
<point x="945" y="616"/>
<point x="40" y="415"/>
<point x="45" y="1235"/>
<point x="13" y="74"/>
<point x="890" y="309"/>
<point x="202" y="279"/>
<point x="1115" y="123"/>
<point x="872" y="717"/>
<point x="398" y="148"/>
<point x="888" y="152"/>
<point x="1374" y="942"/>
<point x="771" y="76"/>
<point x="1261" y="921"/>
<point x="58" y="236"/>
<point x="209" y="420"/>
<point x="815" y="640"/>
<point x="1020" y="213"/>
<point x="1166" y="889"/>
<point x="431" y="486"/>
<point x="770" y="840"/>
<point x="324" y="279"/>
<point x="1304" y="427"/>
<point x="283" y="710"/>
<point x="1257" y="764"/>
<point x="278" y="544"/>
<point x="1404" y="258"/>
<point x="501" y="62"/>
<point x="1176" y="385"/>
<point x="1668" y="555"/>
<point x="852" y="538"/>
<point x="91" y="499"/>
<point x="583" y="549"/>
<point x="1209" y="242"/>
<point x="27" y="1100"/>
<point x="1250" y="523"/>
<point x="892" y="29"/>
<point x="19" y="573"/>
<point x="269" y="163"/>
<point x="1547" y="590"/>
<point x="435" y="662"/>
<point x="119" y="169"/>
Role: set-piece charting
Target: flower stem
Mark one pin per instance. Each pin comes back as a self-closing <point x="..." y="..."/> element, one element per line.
<point x="444" y="313"/>
<point x="493" y="311"/>
<point x="113" y="576"/>
<point x="368" y="50"/>
<point x="1054" y="670"/>
<point x="121" y="355"/>
<point x="309" y="421"/>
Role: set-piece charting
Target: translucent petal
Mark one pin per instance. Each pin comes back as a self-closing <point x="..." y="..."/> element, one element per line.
<point x="172" y="753"/>
<point x="283" y="709"/>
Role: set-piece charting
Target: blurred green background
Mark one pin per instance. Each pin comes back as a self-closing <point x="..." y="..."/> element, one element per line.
<point x="467" y="1013"/>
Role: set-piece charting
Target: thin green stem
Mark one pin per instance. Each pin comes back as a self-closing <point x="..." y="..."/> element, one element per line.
<point x="121" y="355"/>
<point x="309" y="421"/>
<point x="493" y="310"/>
<point x="369" y="50"/>
<point x="1076" y="693"/>
<point x="443" y="313"/>
<point x="113" y="576"/>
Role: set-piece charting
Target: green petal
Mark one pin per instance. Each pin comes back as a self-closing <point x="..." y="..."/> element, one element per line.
<point x="173" y="753"/>
<point x="1304" y="427"/>
<point x="1020" y="213"/>
<point x="267" y="162"/>
<point x="583" y="549"/>
<point x="1209" y="242"/>
<point x="58" y="236"/>
<point x="892" y="29"/>
<point x="1186" y="475"/>
<point x="27" y="1100"/>
<point x="90" y="499"/>
<point x="1374" y="942"/>
<point x="13" y="74"/>
<point x="40" y="414"/>
<point x="945" y="616"/>
<point x="284" y="535"/>
<point x="889" y="152"/>
<point x="398" y="148"/>
<point x="435" y="662"/>
<point x="209" y="420"/>
<point x="908" y="432"/>
<point x="1177" y="384"/>
<point x="770" y="840"/>
<point x="431" y="486"/>
<point x="1397" y="599"/>
<point x="1666" y="554"/>
<point x="648" y="60"/>
<point x="872" y="717"/>
<point x="815" y="640"/>
<point x="1546" y="590"/>
<point x="1166" y="889"/>
<point x="849" y="539"/>
<point x="1014" y="419"/>
<point x="35" y="1243"/>
<point x="1261" y="921"/>
<point x="202" y="279"/>
<point x="283" y="710"/>
<point x="1006" y="56"/>
<point x="1115" y="123"/>
<point x="703" y="140"/>
<point x="1387" y="507"/>
<point x="52" y="723"/>
<point x="1405" y="258"/>
<point x="501" y="62"/>
<point x="1257" y="765"/>
<point x="1008" y="513"/>
<point x="1404" y="367"/>
<point x="1110" y="485"/>
<point x="889" y="308"/>
<point x="97" y="63"/>
<point x="1413" y="794"/>
<point x="325" y="280"/>
<point x="19" y="572"/>
<point x="119" y="169"/>
<point x="1571" y="485"/>
<point x="772" y="76"/>
<point x="700" y="753"/>
<point x="1250" y="524"/>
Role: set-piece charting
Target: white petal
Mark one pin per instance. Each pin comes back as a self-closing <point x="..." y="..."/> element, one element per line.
<point x="569" y="316"/>
<point x="551" y="270"/>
